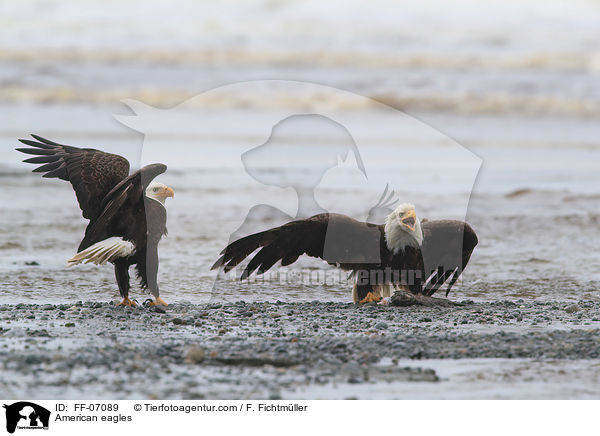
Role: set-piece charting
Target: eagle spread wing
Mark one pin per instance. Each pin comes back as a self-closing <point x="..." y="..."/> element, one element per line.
<point x="337" y="239"/>
<point x="447" y="248"/>
<point x="354" y="245"/>
<point x="92" y="173"/>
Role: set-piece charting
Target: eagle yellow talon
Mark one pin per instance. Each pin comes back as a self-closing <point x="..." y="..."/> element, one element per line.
<point x="371" y="297"/>
<point x="158" y="302"/>
<point x="127" y="302"/>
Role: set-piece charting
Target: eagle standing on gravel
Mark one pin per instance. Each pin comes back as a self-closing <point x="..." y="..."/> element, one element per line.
<point x="404" y="253"/>
<point x="126" y="212"/>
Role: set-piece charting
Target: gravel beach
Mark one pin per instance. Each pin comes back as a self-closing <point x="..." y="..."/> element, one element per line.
<point x="487" y="114"/>
<point x="281" y="350"/>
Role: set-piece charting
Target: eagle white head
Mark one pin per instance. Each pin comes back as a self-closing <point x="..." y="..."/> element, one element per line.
<point x="403" y="228"/>
<point x="159" y="192"/>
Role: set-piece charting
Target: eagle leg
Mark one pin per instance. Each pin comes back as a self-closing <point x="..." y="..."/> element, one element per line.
<point x="371" y="297"/>
<point x="127" y="302"/>
<point x="122" y="275"/>
<point x="158" y="302"/>
<point x="149" y="272"/>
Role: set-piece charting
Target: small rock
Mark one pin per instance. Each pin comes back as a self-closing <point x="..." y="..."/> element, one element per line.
<point x="194" y="355"/>
<point x="572" y="308"/>
<point x="16" y="333"/>
<point x="381" y="326"/>
<point x="33" y="359"/>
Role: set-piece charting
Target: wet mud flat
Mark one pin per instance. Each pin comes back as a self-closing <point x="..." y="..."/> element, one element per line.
<point x="280" y="350"/>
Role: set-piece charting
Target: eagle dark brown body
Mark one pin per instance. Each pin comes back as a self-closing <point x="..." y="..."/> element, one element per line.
<point x="116" y="205"/>
<point x="362" y="248"/>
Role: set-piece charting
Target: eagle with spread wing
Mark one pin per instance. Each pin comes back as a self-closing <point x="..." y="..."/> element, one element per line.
<point x="406" y="253"/>
<point x="126" y="212"/>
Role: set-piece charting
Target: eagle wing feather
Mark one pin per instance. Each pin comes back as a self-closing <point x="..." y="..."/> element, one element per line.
<point x="92" y="173"/>
<point x="447" y="248"/>
<point x="129" y="191"/>
<point x="307" y="236"/>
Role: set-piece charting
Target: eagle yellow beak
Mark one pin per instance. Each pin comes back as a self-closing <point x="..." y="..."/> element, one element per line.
<point x="409" y="219"/>
<point x="167" y="192"/>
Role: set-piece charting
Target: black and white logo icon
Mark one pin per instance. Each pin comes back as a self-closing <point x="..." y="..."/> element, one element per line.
<point x="26" y="415"/>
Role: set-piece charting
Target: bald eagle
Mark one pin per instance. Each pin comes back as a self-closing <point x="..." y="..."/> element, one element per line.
<point x="126" y="213"/>
<point x="404" y="253"/>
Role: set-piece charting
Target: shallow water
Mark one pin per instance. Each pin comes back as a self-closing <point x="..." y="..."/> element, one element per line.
<point x="536" y="243"/>
<point x="511" y="92"/>
<point x="499" y="349"/>
<point x="478" y="379"/>
<point x="495" y="121"/>
<point x="534" y="57"/>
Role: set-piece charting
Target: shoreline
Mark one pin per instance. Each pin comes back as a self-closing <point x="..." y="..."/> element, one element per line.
<point x="286" y="350"/>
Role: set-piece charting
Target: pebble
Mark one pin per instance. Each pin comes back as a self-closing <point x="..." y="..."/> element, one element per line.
<point x="572" y="308"/>
<point x="261" y="355"/>
<point x="195" y="354"/>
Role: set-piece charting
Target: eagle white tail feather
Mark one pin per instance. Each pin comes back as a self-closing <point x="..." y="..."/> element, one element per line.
<point x="104" y="251"/>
